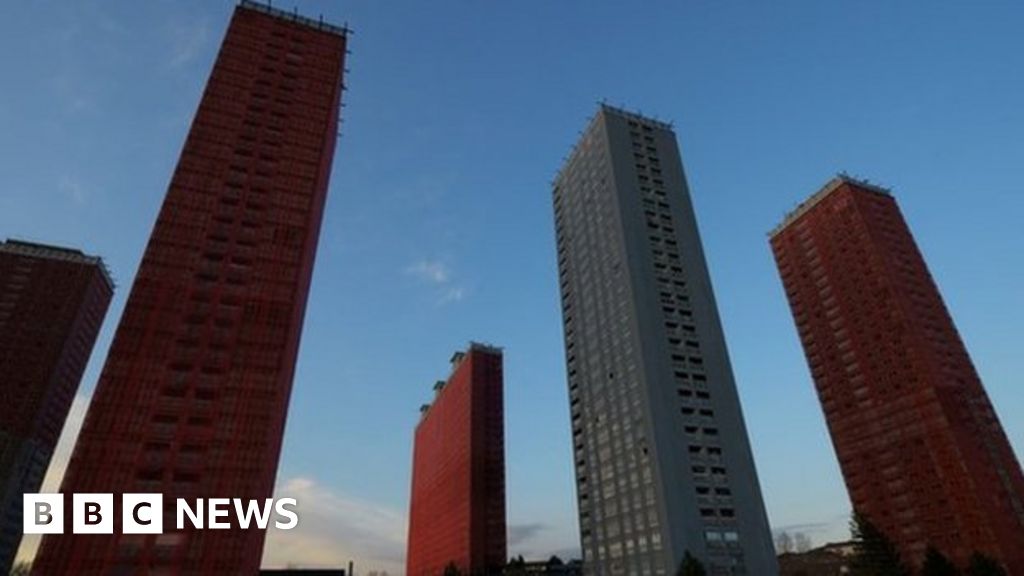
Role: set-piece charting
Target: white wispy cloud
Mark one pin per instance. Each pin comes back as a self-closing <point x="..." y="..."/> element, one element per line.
<point x="432" y="271"/>
<point x="72" y="188"/>
<point x="439" y="276"/>
<point x="454" y="294"/>
<point x="540" y="541"/>
<point x="187" y="40"/>
<point x="335" y="528"/>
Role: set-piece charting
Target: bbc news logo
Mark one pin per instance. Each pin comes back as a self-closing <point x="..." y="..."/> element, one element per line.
<point x="143" y="513"/>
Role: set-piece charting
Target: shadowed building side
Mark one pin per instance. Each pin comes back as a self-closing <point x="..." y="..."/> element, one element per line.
<point x="52" y="304"/>
<point x="663" y="462"/>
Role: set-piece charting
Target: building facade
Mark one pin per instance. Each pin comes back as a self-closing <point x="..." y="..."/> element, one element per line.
<point x="921" y="449"/>
<point x="663" y="462"/>
<point x="193" y="397"/>
<point x="52" y="304"/>
<point x="457" y="508"/>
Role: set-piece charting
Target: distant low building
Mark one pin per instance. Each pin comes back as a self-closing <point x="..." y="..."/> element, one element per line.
<point x="302" y="572"/>
<point x="828" y="560"/>
<point x="551" y="567"/>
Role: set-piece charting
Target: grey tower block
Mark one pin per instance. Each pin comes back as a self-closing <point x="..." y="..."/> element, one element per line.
<point x="662" y="457"/>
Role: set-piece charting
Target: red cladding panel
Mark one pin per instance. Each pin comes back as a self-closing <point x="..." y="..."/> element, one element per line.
<point x="458" y="485"/>
<point x="193" y="397"/>
<point x="921" y="449"/>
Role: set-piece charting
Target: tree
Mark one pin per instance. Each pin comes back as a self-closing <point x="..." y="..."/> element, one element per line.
<point x="555" y="561"/>
<point x="783" y="543"/>
<point x="452" y="570"/>
<point x="690" y="566"/>
<point x="801" y="542"/>
<point x="516" y="566"/>
<point x="982" y="565"/>
<point x="936" y="564"/>
<point x="874" y="554"/>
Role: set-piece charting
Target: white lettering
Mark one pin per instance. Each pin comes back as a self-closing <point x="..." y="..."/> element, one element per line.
<point x="290" y="514"/>
<point x="184" y="509"/>
<point x="218" y="509"/>
<point x="252" y="509"/>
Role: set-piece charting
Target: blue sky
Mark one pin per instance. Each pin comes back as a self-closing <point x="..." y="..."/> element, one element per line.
<point x="438" y="227"/>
